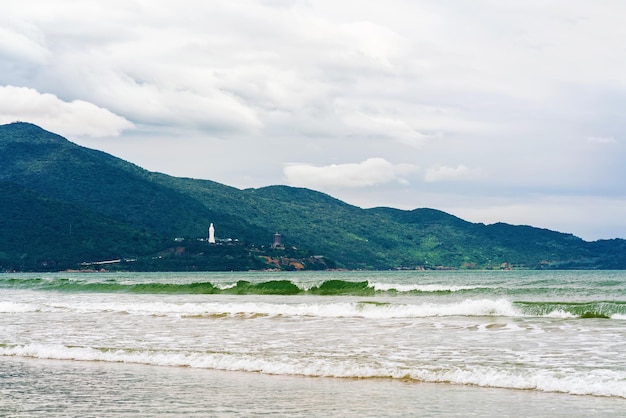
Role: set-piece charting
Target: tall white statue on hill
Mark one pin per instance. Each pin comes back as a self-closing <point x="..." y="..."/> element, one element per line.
<point x="211" y="234"/>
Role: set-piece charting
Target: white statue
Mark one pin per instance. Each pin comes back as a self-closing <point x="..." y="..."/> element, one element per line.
<point x="211" y="234"/>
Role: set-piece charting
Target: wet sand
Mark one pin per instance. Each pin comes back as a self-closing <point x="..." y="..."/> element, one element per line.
<point x="37" y="388"/>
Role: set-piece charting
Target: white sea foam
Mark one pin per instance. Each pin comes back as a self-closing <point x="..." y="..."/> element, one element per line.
<point x="599" y="383"/>
<point x="21" y="307"/>
<point x="13" y="307"/>
<point x="384" y="287"/>
<point x="468" y="307"/>
<point x="560" y="313"/>
<point x="226" y="286"/>
<point x="596" y="382"/>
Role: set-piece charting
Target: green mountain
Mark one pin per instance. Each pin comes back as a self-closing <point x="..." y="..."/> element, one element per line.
<point x="65" y="205"/>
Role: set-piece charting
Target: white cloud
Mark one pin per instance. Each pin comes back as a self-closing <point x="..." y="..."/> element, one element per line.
<point x="255" y="84"/>
<point x="444" y="173"/>
<point x="371" y="172"/>
<point x="22" y="46"/>
<point x="376" y="42"/>
<point x="601" y="139"/>
<point x="75" y="118"/>
<point x="382" y="126"/>
<point x="154" y="103"/>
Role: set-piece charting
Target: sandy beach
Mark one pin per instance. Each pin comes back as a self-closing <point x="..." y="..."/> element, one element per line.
<point x="37" y="388"/>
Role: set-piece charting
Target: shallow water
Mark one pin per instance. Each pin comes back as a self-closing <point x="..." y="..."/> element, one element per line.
<point x="403" y="344"/>
<point x="35" y="387"/>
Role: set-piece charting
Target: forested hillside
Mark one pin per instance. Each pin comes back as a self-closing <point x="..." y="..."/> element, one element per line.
<point x="64" y="204"/>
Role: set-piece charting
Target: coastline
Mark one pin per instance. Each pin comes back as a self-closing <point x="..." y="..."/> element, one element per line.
<point x="36" y="387"/>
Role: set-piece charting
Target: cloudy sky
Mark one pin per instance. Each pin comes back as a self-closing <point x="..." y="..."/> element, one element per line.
<point x="490" y="110"/>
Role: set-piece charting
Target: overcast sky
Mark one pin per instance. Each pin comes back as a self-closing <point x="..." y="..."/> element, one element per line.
<point x="491" y="110"/>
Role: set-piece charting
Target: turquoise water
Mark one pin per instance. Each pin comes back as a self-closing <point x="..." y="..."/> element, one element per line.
<point x="506" y="337"/>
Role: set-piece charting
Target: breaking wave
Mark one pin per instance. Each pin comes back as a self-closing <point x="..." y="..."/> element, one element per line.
<point x="241" y="287"/>
<point x="597" y="382"/>
<point x="360" y="309"/>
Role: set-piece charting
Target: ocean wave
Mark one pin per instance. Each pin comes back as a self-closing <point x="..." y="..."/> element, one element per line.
<point x="16" y="307"/>
<point x="567" y="310"/>
<point x="362" y="309"/>
<point x="598" y="382"/>
<point x="422" y="288"/>
<point x="371" y="309"/>
<point x="296" y="287"/>
<point x="240" y="287"/>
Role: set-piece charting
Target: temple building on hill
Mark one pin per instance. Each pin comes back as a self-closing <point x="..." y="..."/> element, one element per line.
<point x="276" y="244"/>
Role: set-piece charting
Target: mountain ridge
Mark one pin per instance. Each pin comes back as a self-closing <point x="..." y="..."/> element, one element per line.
<point x="138" y="203"/>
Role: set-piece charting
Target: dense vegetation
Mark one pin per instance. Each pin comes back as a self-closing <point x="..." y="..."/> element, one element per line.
<point x="64" y="205"/>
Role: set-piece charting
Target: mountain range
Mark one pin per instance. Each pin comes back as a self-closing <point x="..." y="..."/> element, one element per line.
<point x="66" y="206"/>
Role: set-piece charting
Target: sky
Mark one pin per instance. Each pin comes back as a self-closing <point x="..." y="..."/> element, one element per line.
<point x="493" y="111"/>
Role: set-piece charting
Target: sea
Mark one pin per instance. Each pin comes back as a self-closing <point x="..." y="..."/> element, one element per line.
<point x="327" y="344"/>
